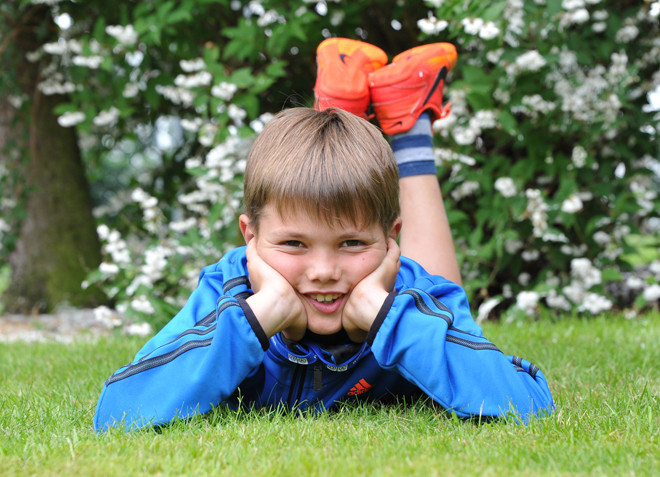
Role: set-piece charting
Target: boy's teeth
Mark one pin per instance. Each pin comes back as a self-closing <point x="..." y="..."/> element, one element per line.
<point x="325" y="298"/>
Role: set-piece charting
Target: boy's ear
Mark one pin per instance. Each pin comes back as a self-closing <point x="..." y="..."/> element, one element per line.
<point x="246" y="227"/>
<point x="395" y="230"/>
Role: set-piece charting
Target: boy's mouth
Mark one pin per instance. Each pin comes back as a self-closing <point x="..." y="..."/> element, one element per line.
<point x="325" y="303"/>
<point x="326" y="298"/>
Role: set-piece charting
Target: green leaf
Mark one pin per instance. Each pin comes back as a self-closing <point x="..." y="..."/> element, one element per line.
<point x="474" y="75"/>
<point x="242" y="77"/>
<point x="494" y="11"/>
<point x="249" y="102"/>
<point x="508" y="122"/>
<point x="611" y="275"/>
<point x="211" y="54"/>
<point x="479" y="100"/>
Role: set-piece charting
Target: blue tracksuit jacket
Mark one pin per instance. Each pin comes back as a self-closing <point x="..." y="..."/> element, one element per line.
<point x="214" y="352"/>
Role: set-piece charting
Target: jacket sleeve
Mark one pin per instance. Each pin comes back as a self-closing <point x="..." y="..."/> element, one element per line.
<point x="190" y="366"/>
<point x="428" y="335"/>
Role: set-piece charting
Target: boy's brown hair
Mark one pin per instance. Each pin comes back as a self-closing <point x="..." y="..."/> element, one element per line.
<point x="328" y="164"/>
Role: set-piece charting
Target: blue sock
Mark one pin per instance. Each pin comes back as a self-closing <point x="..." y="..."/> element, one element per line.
<point x="413" y="149"/>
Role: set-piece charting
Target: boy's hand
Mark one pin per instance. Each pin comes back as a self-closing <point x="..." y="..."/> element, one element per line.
<point x="274" y="303"/>
<point x="370" y="293"/>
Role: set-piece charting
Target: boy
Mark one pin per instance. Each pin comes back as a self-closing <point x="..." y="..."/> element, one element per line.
<point x="320" y="307"/>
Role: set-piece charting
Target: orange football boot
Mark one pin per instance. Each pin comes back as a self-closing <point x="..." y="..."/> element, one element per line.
<point x="343" y="66"/>
<point x="411" y="84"/>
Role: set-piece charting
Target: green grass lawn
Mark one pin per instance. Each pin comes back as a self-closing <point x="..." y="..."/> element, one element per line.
<point x="604" y="374"/>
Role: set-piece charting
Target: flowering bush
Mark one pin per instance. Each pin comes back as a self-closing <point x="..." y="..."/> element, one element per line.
<point x="550" y="154"/>
<point x="548" y="162"/>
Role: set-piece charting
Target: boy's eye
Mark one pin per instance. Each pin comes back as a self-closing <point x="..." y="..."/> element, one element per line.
<point x="352" y="243"/>
<point x="292" y="243"/>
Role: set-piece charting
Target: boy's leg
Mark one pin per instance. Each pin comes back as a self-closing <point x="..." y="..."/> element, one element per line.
<point x="407" y="96"/>
<point x="425" y="234"/>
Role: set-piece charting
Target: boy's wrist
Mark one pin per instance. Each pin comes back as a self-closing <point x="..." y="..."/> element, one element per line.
<point x="362" y="316"/>
<point x="273" y="312"/>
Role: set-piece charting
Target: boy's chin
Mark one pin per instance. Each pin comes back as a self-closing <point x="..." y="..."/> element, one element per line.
<point x="325" y="327"/>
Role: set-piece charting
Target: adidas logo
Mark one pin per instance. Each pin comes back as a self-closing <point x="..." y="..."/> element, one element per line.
<point x="362" y="386"/>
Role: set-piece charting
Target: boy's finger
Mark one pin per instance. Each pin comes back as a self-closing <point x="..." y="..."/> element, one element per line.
<point x="251" y="252"/>
<point x="393" y="250"/>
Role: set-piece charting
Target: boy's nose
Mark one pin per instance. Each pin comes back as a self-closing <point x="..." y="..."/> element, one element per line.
<point x="323" y="267"/>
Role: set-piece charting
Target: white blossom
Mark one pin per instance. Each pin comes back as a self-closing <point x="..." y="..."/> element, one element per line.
<point x="139" y="329"/>
<point x="595" y="303"/>
<point x="654" y="10"/>
<point x="140" y="196"/>
<point x="527" y="301"/>
<point x="201" y="78"/>
<point x="537" y="211"/>
<point x="584" y="271"/>
<point x="530" y="255"/>
<point x="176" y="95"/>
<point x="572" y="4"/>
<point x="493" y="56"/>
<point x="466" y="189"/>
<point x="236" y="113"/>
<point x="224" y="90"/>
<point x="431" y="25"/>
<point x="651" y="293"/>
<point x="483" y="119"/>
<point x="107" y="117"/>
<point x="193" y="162"/>
<point x="654" y="268"/>
<point x="488" y="31"/>
<point x="131" y="90"/>
<point x="182" y="226"/>
<point x="634" y="282"/>
<point x="506" y="186"/>
<point x="529" y="61"/>
<point x="191" y="125"/>
<point x="579" y="156"/>
<point x="190" y="66"/>
<point x="269" y="17"/>
<point x="572" y="204"/>
<point x="70" y="119"/>
<point x="554" y="237"/>
<point x="581" y="15"/>
<point x="106" y="317"/>
<point x="155" y="261"/>
<point x="599" y="27"/>
<point x="91" y="62"/>
<point x="435" y="3"/>
<point x="536" y="104"/>
<point x="465" y="136"/>
<point x="472" y="26"/>
<point x="125" y="35"/>
<point x="557" y="301"/>
<point x="486" y="307"/>
<point x="602" y="238"/>
<point x="52" y="86"/>
<point x="514" y="12"/>
<point x="62" y="47"/>
<point x="512" y="246"/>
<point x="108" y="268"/>
<point x="206" y="134"/>
<point x="600" y="15"/>
<point x="626" y="34"/>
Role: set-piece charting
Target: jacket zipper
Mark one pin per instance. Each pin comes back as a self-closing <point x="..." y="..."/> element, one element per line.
<point x="297" y="383"/>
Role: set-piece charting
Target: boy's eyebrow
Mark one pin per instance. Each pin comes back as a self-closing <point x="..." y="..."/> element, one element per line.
<point x="295" y="234"/>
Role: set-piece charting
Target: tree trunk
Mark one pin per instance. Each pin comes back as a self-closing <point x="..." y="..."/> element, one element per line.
<point x="57" y="244"/>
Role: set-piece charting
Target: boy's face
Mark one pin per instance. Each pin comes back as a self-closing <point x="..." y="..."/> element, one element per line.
<point x="321" y="262"/>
